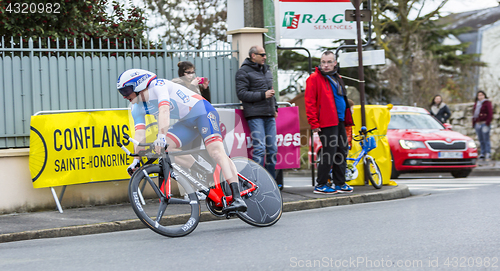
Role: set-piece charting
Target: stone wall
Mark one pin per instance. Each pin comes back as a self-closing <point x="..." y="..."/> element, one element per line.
<point x="461" y="120"/>
<point x="489" y="78"/>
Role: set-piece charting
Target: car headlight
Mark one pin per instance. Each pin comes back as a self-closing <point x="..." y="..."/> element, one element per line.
<point x="472" y="144"/>
<point x="411" y="144"/>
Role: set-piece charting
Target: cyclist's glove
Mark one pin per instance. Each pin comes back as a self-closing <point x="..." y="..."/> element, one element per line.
<point x="132" y="166"/>
<point x="161" y="141"/>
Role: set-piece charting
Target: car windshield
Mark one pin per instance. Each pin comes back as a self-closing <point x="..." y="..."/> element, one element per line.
<point x="413" y="121"/>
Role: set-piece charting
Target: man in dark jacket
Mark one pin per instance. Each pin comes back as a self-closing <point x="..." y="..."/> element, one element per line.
<point x="254" y="87"/>
<point x="328" y="113"/>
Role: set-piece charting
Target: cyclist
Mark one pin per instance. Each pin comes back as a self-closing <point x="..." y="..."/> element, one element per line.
<point x="164" y="99"/>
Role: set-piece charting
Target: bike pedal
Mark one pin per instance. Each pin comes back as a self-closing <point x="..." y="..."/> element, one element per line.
<point x="230" y="214"/>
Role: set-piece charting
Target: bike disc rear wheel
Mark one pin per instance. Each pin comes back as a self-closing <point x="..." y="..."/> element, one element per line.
<point x="374" y="174"/>
<point x="173" y="217"/>
<point x="265" y="205"/>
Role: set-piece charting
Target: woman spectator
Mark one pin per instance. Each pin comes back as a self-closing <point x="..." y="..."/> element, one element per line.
<point x="188" y="79"/>
<point x="483" y="114"/>
<point x="439" y="109"/>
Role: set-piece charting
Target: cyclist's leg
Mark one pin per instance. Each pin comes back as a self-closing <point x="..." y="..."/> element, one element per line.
<point x="208" y="126"/>
<point x="177" y="136"/>
<point x="215" y="149"/>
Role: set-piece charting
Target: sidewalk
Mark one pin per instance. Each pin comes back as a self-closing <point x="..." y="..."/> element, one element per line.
<point x="110" y="218"/>
<point x="490" y="168"/>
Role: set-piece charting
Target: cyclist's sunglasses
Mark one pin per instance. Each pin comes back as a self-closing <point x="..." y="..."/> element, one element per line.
<point x="126" y="91"/>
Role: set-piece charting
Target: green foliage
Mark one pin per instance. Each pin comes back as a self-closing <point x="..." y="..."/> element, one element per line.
<point x="291" y="60"/>
<point x="191" y="24"/>
<point x="82" y="21"/>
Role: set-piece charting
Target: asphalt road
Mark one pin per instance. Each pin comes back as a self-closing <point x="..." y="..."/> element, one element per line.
<point x="450" y="224"/>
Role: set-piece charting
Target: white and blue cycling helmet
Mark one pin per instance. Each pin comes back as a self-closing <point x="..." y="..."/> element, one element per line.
<point x="134" y="80"/>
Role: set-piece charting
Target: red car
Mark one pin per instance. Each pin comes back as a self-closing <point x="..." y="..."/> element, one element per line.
<point x="420" y="143"/>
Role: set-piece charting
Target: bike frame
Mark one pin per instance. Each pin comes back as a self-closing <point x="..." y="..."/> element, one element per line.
<point x="364" y="148"/>
<point x="362" y="154"/>
<point x="215" y="194"/>
<point x="356" y="160"/>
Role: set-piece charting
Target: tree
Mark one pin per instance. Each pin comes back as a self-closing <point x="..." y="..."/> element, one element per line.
<point x="191" y="24"/>
<point x="80" y="20"/>
<point x="397" y="34"/>
<point x="296" y="66"/>
<point x="291" y="60"/>
<point x="415" y="47"/>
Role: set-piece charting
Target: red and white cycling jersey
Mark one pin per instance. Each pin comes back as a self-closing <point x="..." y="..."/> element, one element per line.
<point x="164" y="92"/>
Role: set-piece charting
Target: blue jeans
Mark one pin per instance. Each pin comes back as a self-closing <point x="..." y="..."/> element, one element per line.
<point x="263" y="134"/>
<point x="483" y="134"/>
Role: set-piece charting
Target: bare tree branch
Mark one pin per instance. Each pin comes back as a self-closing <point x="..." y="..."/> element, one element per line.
<point x="192" y="24"/>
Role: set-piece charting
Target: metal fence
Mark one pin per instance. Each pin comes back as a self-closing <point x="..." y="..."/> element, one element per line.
<point x="66" y="75"/>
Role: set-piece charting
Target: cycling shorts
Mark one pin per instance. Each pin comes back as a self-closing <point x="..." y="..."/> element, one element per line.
<point x="202" y="120"/>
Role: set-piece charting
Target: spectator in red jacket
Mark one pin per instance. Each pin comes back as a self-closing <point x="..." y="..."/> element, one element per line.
<point x="481" y="120"/>
<point x="328" y="114"/>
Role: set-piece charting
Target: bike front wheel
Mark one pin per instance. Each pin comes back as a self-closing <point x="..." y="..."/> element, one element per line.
<point x="265" y="204"/>
<point x="170" y="208"/>
<point x="373" y="171"/>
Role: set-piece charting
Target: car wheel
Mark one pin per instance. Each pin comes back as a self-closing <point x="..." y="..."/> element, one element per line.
<point x="461" y="173"/>
<point x="395" y="173"/>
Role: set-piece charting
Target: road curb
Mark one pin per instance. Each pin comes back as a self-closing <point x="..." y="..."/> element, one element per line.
<point x="479" y="171"/>
<point x="401" y="191"/>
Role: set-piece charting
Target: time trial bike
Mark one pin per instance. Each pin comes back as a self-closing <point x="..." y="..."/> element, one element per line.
<point x="165" y="195"/>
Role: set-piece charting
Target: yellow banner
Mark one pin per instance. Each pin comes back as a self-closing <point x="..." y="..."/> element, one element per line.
<point x="376" y="116"/>
<point x="81" y="147"/>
